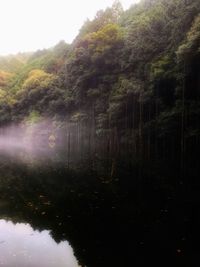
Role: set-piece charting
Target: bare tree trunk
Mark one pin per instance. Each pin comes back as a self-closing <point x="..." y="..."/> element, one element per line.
<point x="68" y="150"/>
<point x="183" y="125"/>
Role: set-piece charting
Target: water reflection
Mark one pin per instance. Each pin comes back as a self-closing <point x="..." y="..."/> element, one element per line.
<point x="22" y="246"/>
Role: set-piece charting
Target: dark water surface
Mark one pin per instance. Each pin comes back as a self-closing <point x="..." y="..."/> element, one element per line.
<point x="112" y="210"/>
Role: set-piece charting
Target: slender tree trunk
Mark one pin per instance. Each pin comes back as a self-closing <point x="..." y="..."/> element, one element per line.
<point x="68" y="150"/>
<point x="183" y="125"/>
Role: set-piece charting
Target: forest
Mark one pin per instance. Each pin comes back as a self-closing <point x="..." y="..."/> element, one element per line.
<point x="127" y="89"/>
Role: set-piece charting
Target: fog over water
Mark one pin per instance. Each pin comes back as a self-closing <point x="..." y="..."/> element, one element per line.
<point x="36" y="139"/>
<point x="66" y="143"/>
<point x="21" y="246"/>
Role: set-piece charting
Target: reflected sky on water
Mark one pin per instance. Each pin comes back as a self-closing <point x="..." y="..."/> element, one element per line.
<point x="21" y="246"/>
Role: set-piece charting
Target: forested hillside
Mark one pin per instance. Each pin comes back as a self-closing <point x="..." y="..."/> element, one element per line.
<point x="129" y="84"/>
<point x="132" y="76"/>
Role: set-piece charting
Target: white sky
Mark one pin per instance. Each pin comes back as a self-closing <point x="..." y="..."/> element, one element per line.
<point x="28" y="25"/>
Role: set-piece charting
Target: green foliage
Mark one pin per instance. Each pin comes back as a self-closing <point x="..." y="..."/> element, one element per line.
<point x="79" y="117"/>
<point x="92" y="58"/>
<point x="33" y="117"/>
<point x="4" y="78"/>
<point x="104" y="39"/>
<point x="191" y="46"/>
<point x="109" y="16"/>
<point x="124" y="70"/>
<point x="13" y="63"/>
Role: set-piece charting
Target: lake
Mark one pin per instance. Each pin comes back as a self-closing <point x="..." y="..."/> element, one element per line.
<point x="67" y="199"/>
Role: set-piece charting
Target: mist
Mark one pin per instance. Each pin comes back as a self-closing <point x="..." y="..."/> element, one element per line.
<point x="23" y="141"/>
<point x="67" y="143"/>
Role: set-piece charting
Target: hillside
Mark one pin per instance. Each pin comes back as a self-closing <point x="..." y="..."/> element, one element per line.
<point x="133" y="74"/>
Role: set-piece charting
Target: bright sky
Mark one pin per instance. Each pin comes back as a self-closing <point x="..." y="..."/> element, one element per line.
<point x="28" y="25"/>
